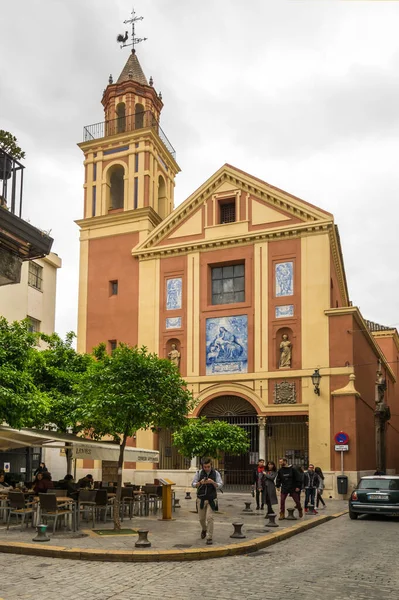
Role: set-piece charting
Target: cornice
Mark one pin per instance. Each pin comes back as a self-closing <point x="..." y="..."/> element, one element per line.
<point x="288" y="232"/>
<point x="127" y="216"/>
<point x="111" y="141"/>
<point x="338" y="260"/>
<point x="355" y="312"/>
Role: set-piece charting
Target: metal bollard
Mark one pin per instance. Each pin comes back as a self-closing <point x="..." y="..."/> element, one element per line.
<point x="177" y="503"/>
<point x="272" y="520"/>
<point x="248" y="508"/>
<point x="143" y="541"/>
<point x="291" y="515"/>
<point x="187" y="496"/>
<point x="237" y="531"/>
<point x="41" y="534"/>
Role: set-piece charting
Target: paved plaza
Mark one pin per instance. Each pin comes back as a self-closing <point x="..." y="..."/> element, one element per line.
<point x="181" y="533"/>
<point x="340" y="559"/>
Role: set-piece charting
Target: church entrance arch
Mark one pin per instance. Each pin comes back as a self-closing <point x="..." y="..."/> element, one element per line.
<point x="236" y="470"/>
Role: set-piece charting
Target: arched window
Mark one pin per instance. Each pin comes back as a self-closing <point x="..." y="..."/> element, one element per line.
<point x="120" y="117"/>
<point x="116" y="187"/>
<point x="162" y="199"/>
<point x="139" y="116"/>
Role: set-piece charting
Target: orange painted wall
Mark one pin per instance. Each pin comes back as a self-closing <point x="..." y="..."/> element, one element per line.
<point x="112" y="317"/>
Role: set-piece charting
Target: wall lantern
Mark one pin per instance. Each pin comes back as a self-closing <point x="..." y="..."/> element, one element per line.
<point x="316" y="381"/>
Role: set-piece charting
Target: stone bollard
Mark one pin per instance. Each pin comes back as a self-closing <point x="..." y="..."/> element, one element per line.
<point x="187" y="496"/>
<point x="143" y="541"/>
<point x="237" y="531"/>
<point x="248" y="508"/>
<point x="177" y="503"/>
<point x="41" y="534"/>
<point x="291" y="515"/>
<point x="272" y="520"/>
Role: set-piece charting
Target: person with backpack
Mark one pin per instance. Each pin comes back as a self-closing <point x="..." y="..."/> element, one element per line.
<point x="207" y="481"/>
<point x="311" y="482"/>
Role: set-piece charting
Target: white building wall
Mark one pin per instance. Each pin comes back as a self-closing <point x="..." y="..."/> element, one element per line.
<point x="20" y="300"/>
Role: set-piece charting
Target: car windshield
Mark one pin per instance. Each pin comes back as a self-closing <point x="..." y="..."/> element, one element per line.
<point x="379" y="484"/>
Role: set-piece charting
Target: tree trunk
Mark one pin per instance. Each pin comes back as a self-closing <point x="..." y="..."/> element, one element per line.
<point x="117" y="501"/>
<point x="68" y="456"/>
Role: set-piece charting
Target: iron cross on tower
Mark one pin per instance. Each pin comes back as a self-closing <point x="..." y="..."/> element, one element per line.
<point x="134" y="40"/>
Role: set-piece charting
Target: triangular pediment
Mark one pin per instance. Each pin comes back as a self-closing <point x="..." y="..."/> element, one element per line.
<point x="259" y="207"/>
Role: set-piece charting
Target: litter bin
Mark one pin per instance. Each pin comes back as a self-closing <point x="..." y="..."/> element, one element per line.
<point x="342" y="484"/>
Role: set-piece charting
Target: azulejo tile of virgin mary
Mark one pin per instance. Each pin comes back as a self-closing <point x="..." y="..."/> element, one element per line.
<point x="227" y="345"/>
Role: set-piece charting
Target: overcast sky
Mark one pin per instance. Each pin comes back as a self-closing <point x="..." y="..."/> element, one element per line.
<point x="304" y="95"/>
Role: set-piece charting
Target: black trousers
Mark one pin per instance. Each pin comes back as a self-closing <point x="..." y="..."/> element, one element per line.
<point x="259" y="498"/>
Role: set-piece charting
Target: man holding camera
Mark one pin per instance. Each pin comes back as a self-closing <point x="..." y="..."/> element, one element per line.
<point x="207" y="481"/>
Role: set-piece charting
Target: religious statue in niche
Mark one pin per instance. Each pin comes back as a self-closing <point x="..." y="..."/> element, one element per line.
<point x="174" y="356"/>
<point x="285" y="352"/>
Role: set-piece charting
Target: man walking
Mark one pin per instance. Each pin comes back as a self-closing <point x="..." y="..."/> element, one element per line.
<point x="207" y="481"/>
<point x="289" y="479"/>
<point x="257" y="481"/>
<point x="311" y="483"/>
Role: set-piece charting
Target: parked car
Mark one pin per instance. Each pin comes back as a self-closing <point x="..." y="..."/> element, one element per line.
<point x="375" y="495"/>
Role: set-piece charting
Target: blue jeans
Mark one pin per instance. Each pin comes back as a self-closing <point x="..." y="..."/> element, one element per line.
<point x="309" y="496"/>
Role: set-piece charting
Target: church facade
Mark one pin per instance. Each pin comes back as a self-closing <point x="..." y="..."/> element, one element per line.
<point x="243" y="286"/>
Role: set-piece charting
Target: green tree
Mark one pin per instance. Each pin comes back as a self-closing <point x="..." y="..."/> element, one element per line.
<point x="200" y="437"/>
<point x="9" y="143"/>
<point x="57" y="370"/>
<point x="22" y="404"/>
<point x="128" y="390"/>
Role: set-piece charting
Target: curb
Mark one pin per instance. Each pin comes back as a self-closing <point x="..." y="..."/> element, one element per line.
<point x="165" y="555"/>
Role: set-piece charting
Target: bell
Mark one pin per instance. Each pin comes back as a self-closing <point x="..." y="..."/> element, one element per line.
<point x="41" y="534"/>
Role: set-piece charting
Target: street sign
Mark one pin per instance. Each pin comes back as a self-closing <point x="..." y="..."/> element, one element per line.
<point x="341" y="438"/>
<point x="341" y="447"/>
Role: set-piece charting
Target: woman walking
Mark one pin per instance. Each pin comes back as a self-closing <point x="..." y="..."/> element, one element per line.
<point x="269" y="487"/>
<point x="319" y="497"/>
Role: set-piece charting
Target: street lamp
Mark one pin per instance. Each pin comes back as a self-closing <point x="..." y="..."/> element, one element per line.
<point x="316" y="381"/>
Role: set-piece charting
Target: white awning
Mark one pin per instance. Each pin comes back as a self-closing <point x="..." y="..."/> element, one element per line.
<point x="81" y="447"/>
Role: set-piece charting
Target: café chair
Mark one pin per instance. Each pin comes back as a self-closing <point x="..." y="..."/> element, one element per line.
<point x="87" y="504"/>
<point x="19" y="507"/>
<point x="49" y="507"/>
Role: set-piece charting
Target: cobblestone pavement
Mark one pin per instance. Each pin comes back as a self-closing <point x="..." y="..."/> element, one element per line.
<point x="340" y="559"/>
<point x="184" y="532"/>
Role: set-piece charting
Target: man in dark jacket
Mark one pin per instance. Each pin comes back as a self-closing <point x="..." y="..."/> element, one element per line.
<point x="311" y="483"/>
<point x="207" y="481"/>
<point x="289" y="479"/>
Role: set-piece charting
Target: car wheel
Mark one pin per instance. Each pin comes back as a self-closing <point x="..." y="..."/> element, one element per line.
<point x="353" y="515"/>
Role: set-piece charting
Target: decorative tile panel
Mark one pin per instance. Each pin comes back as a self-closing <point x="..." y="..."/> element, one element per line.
<point x="283" y="312"/>
<point x="173" y="323"/>
<point x="284" y="279"/>
<point x="284" y="393"/>
<point x="227" y="345"/>
<point x="174" y="293"/>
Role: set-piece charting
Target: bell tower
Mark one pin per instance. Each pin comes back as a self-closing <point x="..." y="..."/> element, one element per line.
<point x="130" y="168"/>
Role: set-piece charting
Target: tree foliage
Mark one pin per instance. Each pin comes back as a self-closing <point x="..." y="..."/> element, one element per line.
<point x="128" y="390"/>
<point x="200" y="437"/>
<point x="57" y="371"/>
<point x="9" y="143"/>
<point x="22" y="404"/>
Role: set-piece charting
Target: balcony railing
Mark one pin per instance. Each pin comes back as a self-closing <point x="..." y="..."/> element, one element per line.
<point x="11" y="183"/>
<point x="126" y="123"/>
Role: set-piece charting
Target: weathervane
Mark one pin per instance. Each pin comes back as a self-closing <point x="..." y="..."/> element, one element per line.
<point x="124" y="38"/>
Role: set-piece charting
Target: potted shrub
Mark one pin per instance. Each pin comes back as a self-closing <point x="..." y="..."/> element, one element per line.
<point x="9" y="149"/>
